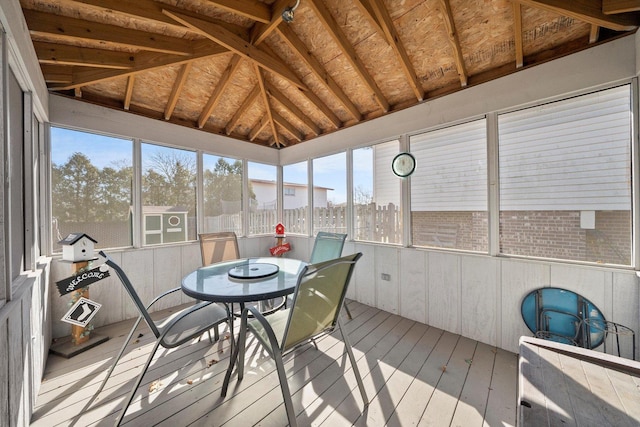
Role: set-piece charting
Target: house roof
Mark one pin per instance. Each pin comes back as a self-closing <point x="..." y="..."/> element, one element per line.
<point x="235" y="68"/>
<point x="73" y="238"/>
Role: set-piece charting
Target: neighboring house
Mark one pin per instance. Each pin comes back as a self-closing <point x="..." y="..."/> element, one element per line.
<point x="295" y="195"/>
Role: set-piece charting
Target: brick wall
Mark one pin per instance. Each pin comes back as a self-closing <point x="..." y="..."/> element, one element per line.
<point x="545" y="234"/>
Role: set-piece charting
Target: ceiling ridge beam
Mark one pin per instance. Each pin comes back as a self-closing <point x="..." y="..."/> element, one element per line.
<point x="348" y="51"/>
<point x="232" y="67"/>
<point x="64" y="27"/>
<point x="232" y="42"/>
<point x="393" y="38"/>
<point x="452" y="35"/>
<point x="261" y="31"/>
<point x="588" y="11"/>
<point x="265" y="100"/>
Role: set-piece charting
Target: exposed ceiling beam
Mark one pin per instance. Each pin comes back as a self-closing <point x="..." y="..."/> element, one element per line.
<point x="259" y="127"/>
<point x="393" y="38"/>
<point x="318" y="70"/>
<point x="57" y="74"/>
<point x="447" y="16"/>
<point x="236" y="44"/>
<point x="72" y="29"/>
<point x="178" y="84"/>
<point x="293" y="109"/>
<point x="251" y="9"/>
<point x="349" y="52"/>
<point x="588" y="11"/>
<point x="248" y="102"/>
<point x="594" y="34"/>
<point x="129" y="92"/>
<point x="620" y="6"/>
<point x="215" y="97"/>
<point x="517" y="34"/>
<point x="291" y="129"/>
<point x="367" y="10"/>
<point x="145" y="61"/>
<point x="267" y="106"/>
<point x="54" y="53"/>
<point x="261" y="31"/>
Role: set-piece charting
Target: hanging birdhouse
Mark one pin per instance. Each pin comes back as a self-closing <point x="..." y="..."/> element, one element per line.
<point x="77" y="247"/>
<point x="279" y="230"/>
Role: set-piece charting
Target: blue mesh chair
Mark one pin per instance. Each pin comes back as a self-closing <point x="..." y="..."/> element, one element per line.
<point x="328" y="246"/>
<point x="563" y="316"/>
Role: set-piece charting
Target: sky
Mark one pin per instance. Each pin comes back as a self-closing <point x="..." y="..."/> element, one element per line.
<point x="328" y="171"/>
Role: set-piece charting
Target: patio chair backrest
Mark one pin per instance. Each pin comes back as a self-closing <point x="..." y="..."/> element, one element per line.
<point x="216" y="247"/>
<point x="318" y="299"/>
<point x="137" y="302"/>
<point x="327" y="246"/>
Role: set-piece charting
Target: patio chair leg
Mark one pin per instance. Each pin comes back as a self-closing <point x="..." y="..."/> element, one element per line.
<point x="354" y="365"/>
<point x="132" y="393"/>
<point x="117" y="359"/>
<point x="284" y="386"/>
<point x="346" y="307"/>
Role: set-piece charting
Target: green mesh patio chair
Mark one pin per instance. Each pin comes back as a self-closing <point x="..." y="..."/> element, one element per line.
<point x="173" y="331"/>
<point x="328" y="246"/>
<point x="315" y="311"/>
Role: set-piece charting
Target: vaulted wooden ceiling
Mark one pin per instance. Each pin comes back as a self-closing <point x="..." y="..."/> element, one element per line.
<point x="234" y="67"/>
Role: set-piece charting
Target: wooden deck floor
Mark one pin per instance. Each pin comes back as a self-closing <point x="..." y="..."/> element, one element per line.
<point x="414" y="375"/>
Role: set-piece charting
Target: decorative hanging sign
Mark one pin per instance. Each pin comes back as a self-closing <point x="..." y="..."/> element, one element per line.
<point x="82" y="279"/>
<point x="82" y="312"/>
<point x="280" y="249"/>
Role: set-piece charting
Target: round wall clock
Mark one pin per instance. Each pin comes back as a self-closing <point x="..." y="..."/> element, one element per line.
<point x="403" y="164"/>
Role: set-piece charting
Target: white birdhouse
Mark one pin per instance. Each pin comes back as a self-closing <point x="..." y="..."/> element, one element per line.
<point x="78" y="247"/>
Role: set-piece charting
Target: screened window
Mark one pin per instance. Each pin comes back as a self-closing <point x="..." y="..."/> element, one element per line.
<point x="449" y="188"/>
<point x="330" y="193"/>
<point x="168" y="195"/>
<point x="376" y="194"/>
<point x="565" y="179"/>
<point x="296" y="200"/>
<point x="222" y="194"/>
<point x="91" y="181"/>
<point x="263" y="198"/>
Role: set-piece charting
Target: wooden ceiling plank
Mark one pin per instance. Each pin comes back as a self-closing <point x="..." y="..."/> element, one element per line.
<point x="248" y="102"/>
<point x="57" y="74"/>
<point x="62" y="27"/>
<point x="178" y="84"/>
<point x="610" y="7"/>
<point x="393" y="38"/>
<point x="323" y="108"/>
<point x="293" y="109"/>
<point x="588" y="11"/>
<point x="236" y="44"/>
<point x="251" y="9"/>
<point x="447" y="16"/>
<point x="216" y="96"/>
<point x="318" y="70"/>
<point x="52" y="53"/>
<point x="517" y="34"/>
<point x="367" y="10"/>
<point x="129" y="92"/>
<point x="349" y="52"/>
<point x="145" y="61"/>
<point x="291" y="129"/>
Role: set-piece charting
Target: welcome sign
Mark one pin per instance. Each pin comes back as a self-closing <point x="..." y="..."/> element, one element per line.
<point x="82" y="280"/>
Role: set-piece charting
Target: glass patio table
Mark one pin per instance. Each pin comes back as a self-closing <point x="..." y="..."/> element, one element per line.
<point x="243" y="281"/>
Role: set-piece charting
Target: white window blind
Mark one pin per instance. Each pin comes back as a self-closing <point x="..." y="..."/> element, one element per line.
<point x="451" y="169"/>
<point x="568" y="155"/>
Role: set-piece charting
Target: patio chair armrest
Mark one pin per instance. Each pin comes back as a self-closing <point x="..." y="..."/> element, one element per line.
<point x="273" y="341"/>
<point x="159" y="297"/>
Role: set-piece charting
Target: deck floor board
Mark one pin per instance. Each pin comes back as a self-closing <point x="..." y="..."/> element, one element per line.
<point x="413" y="373"/>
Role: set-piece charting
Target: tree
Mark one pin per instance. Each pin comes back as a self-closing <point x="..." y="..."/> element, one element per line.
<point x="75" y="190"/>
<point x="223" y="188"/>
<point x="170" y="180"/>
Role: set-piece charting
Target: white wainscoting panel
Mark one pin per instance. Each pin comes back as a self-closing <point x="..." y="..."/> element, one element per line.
<point x="480" y="314"/>
<point x="387" y="290"/>
<point x="412" y="282"/>
<point x="365" y="274"/>
<point x="443" y="272"/>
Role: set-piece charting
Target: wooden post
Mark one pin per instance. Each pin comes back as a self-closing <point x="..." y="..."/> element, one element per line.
<point x="79" y="335"/>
